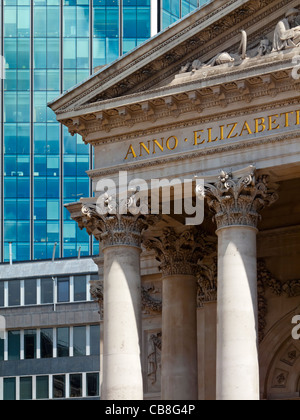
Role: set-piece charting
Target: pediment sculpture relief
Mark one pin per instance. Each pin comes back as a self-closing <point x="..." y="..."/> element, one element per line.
<point x="287" y="31"/>
<point x="286" y="36"/>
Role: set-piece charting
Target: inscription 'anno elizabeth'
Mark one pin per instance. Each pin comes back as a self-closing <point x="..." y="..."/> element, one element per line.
<point x="234" y="130"/>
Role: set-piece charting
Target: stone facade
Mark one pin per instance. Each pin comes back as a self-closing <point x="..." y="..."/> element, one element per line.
<point x="200" y="101"/>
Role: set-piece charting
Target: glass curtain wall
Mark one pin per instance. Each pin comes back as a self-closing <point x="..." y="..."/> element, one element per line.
<point x="50" y="46"/>
<point x="172" y="10"/>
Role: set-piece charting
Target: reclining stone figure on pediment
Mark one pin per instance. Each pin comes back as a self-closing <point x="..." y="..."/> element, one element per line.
<point x="286" y="36"/>
<point x="287" y="31"/>
<point x="261" y="48"/>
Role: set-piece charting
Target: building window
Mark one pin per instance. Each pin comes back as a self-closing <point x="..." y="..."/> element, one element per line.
<point x="63" y="289"/>
<point x="75" y="385"/>
<point x="9" y="391"/>
<point x="13" y="345"/>
<point x="95" y="340"/>
<point x="30" y="292"/>
<point x="59" y="386"/>
<point x="30" y="344"/>
<point x="79" y="341"/>
<point x="79" y="288"/>
<point x="46" y="291"/>
<point x="92" y="384"/>
<point x="46" y="343"/>
<point x="63" y="342"/>
<point x="1" y="293"/>
<point x="14" y="293"/>
<point x="26" y="388"/>
<point x="42" y="387"/>
<point x="1" y="349"/>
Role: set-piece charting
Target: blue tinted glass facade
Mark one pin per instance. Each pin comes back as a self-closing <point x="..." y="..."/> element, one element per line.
<point x="172" y="10"/>
<point x="50" y="46"/>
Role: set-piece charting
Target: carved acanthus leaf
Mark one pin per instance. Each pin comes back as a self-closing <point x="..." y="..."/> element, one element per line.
<point x="237" y="200"/>
<point x="179" y="252"/>
<point x="150" y="305"/>
<point x="113" y="228"/>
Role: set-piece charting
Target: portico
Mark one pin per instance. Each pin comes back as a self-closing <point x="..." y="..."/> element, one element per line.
<point x="187" y="309"/>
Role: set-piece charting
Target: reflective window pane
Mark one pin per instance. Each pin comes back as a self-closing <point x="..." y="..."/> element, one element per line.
<point x="14" y="293"/>
<point x="30" y="292"/>
<point x="63" y="342"/>
<point x="1" y="348"/>
<point x="42" y="387"/>
<point x="79" y="288"/>
<point x="79" y="341"/>
<point x="47" y="290"/>
<point x="75" y="385"/>
<point x="14" y="345"/>
<point x="30" y="344"/>
<point x="26" y="388"/>
<point x="9" y="391"/>
<point x="95" y="340"/>
<point x="1" y="293"/>
<point x="59" y="386"/>
<point x="92" y="384"/>
<point x="63" y="289"/>
<point x="46" y="343"/>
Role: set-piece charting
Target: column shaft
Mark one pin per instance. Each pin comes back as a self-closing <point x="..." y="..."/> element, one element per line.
<point x="179" y="349"/>
<point x="237" y="353"/>
<point x="237" y="199"/>
<point x="122" y="371"/>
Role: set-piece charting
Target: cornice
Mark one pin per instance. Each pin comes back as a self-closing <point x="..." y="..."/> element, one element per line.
<point x="242" y="87"/>
<point x="248" y="69"/>
<point x="203" y="31"/>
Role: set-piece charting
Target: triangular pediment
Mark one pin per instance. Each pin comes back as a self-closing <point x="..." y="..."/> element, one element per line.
<point x="164" y="65"/>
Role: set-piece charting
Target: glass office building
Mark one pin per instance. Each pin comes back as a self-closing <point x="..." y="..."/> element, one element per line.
<point x="49" y="46"/>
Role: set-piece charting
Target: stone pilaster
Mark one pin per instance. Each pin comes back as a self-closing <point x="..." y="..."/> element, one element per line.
<point x="236" y="201"/>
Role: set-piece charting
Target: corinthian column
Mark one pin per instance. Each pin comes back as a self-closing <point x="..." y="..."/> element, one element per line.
<point x="236" y="201"/>
<point x="178" y="253"/>
<point x="121" y="239"/>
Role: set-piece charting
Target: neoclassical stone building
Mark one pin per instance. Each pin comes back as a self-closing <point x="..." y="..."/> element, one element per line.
<point x="203" y="311"/>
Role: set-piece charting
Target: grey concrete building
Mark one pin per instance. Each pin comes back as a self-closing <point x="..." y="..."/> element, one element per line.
<point x="50" y="338"/>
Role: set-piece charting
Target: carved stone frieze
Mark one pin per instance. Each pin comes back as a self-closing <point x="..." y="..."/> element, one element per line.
<point x="267" y="281"/>
<point x="96" y="290"/>
<point x="150" y="304"/>
<point x="154" y="360"/>
<point x="179" y="252"/>
<point x="237" y="201"/>
<point x="207" y="281"/>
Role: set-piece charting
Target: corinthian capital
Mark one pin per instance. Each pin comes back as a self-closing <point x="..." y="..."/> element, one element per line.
<point x="112" y="229"/>
<point x="179" y="251"/>
<point x="237" y="199"/>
